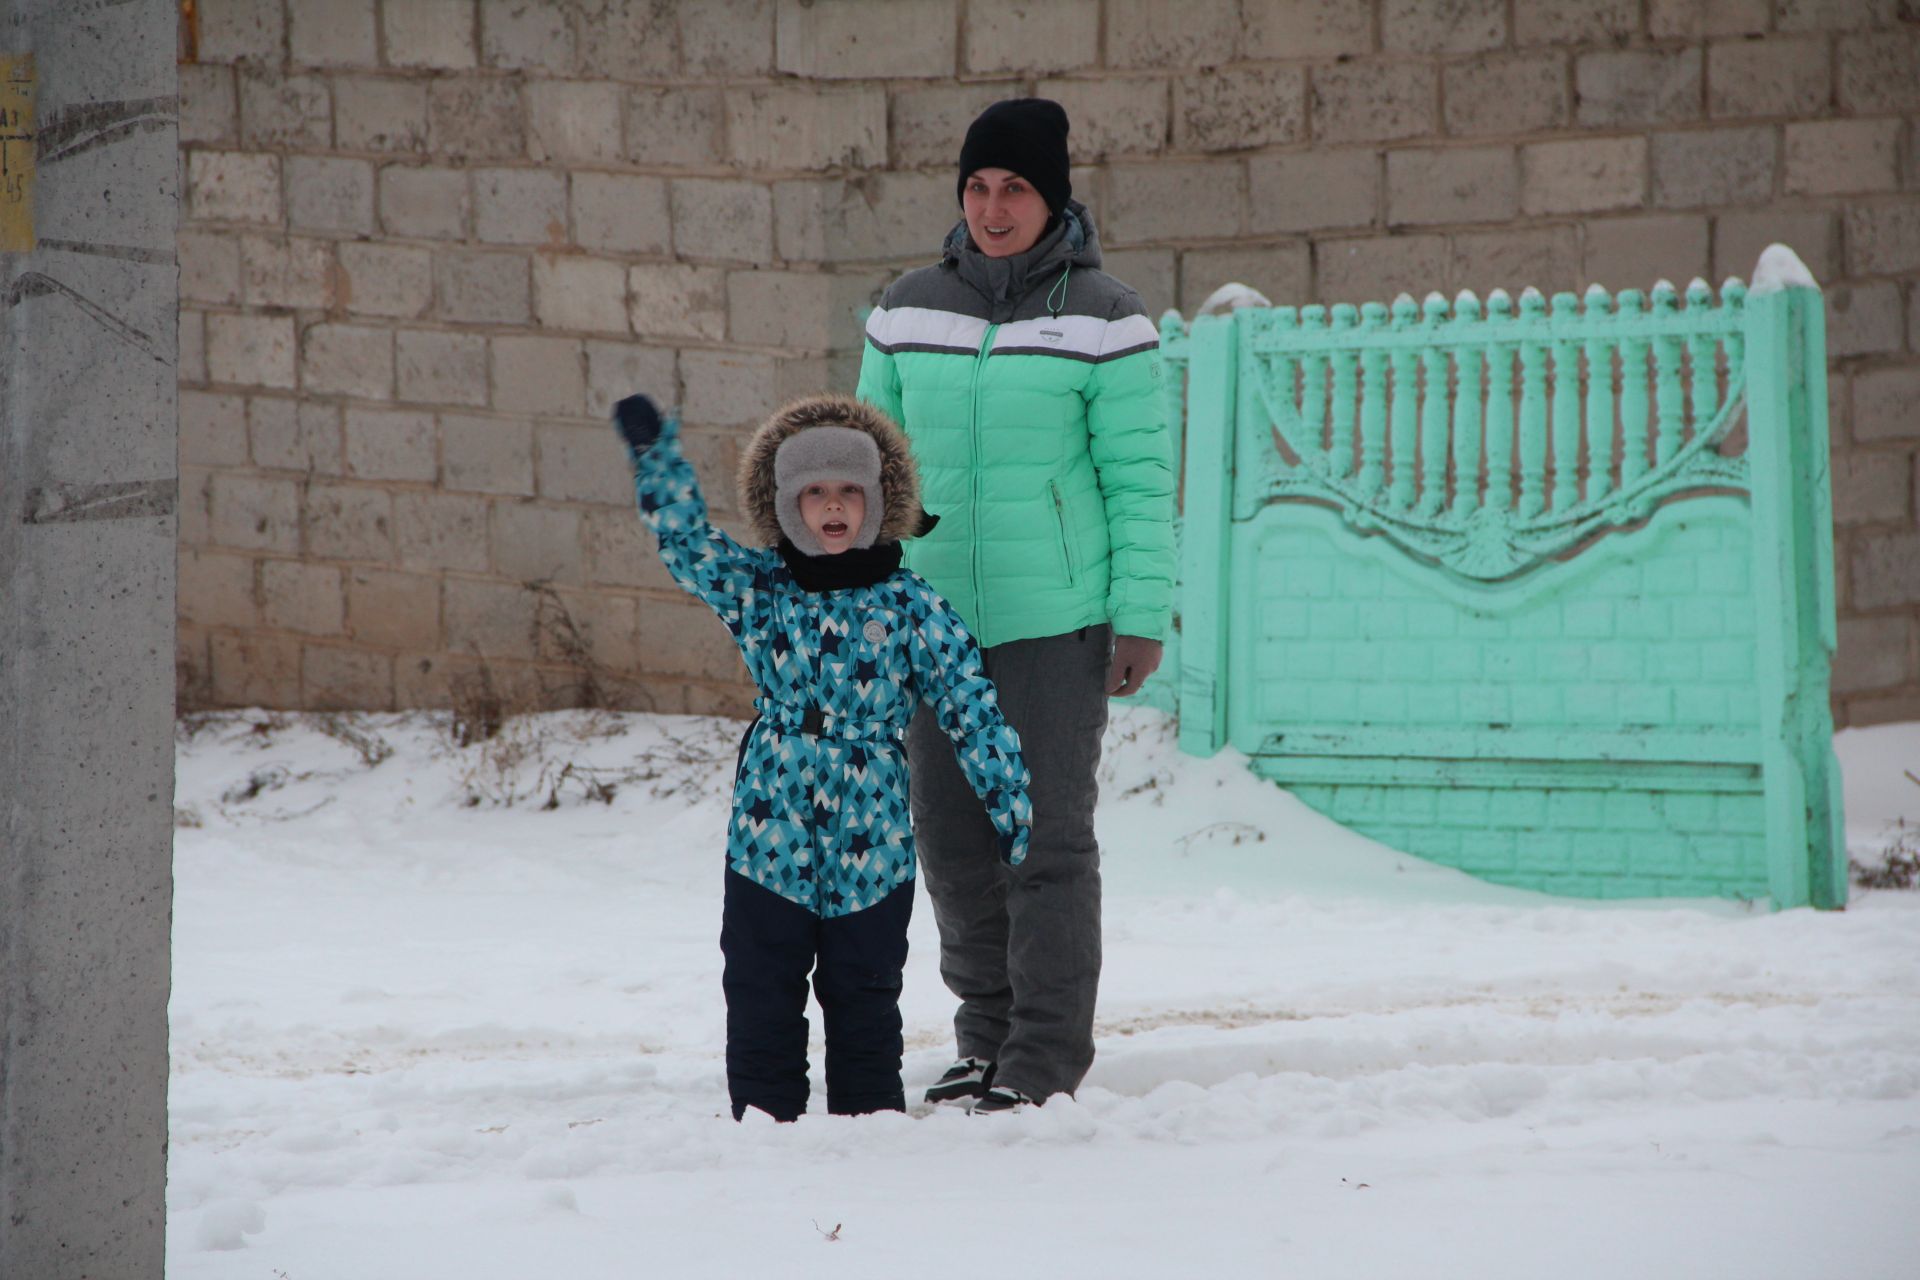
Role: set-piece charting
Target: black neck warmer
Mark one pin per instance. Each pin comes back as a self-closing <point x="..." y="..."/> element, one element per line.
<point x="854" y="567"/>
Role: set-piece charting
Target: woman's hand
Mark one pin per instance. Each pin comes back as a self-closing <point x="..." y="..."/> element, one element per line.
<point x="1134" y="659"/>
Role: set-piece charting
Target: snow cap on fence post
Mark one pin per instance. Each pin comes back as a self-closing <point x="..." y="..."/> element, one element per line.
<point x="1780" y="268"/>
<point x="1231" y="297"/>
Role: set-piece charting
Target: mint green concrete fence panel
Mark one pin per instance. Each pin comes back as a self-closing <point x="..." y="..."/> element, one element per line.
<point x="1542" y="591"/>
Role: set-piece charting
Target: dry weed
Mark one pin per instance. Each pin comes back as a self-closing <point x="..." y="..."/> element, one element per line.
<point x="556" y="631"/>
<point x="1899" y="863"/>
<point x="479" y="710"/>
<point x="535" y="759"/>
<point x="365" y="743"/>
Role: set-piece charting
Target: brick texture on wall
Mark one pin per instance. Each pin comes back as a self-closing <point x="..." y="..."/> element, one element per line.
<point x="427" y="243"/>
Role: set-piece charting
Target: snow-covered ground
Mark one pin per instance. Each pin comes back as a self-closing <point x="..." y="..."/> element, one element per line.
<point x="417" y="1038"/>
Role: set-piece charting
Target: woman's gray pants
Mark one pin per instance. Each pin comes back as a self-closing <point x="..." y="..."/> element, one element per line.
<point x="1020" y="946"/>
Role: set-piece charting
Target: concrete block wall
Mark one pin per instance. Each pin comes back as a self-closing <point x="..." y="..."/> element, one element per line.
<point x="427" y="243"/>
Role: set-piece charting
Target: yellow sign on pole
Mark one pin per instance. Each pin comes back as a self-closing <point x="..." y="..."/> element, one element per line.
<point x="16" y="153"/>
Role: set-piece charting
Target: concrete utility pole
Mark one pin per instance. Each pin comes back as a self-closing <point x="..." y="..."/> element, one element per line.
<point x="88" y="481"/>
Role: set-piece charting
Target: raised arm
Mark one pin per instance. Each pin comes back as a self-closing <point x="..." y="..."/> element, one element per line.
<point x="951" y="679"/>
<point x="702" y="559"/>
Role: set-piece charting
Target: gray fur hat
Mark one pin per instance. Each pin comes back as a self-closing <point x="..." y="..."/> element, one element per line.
<point x="826" y="453"/>
<point x="894" y="494"/>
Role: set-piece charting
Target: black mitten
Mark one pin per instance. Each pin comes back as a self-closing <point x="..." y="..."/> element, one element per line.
<point x="638" y="422"/>
<point x="1013" y="844"/>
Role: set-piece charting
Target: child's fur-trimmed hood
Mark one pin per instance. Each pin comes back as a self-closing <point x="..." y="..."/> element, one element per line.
<point x="899" y="479"/>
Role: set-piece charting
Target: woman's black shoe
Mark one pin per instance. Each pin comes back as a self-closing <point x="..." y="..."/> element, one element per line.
<point x="967" y="1078"/>
<point x="1000" y="1099"/>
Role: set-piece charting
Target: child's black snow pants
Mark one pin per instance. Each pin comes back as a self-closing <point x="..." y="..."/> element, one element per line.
<point x="770" y="945"/>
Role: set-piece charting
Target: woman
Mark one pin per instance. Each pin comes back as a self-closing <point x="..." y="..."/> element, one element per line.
<point x="1028" y="382"/>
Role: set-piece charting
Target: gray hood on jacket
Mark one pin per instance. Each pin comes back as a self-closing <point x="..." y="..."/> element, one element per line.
<point x="1004" y="281"/>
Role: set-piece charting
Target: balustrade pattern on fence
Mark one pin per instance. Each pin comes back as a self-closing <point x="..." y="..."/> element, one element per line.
<point x="1543" y="591"/>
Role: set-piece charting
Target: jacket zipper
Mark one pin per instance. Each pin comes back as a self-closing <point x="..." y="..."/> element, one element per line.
<point x="1066" y="543"/>
<point x="979" y="366"/>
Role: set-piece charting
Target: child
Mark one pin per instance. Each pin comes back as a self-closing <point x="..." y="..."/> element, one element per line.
<point x="843" y="644"/>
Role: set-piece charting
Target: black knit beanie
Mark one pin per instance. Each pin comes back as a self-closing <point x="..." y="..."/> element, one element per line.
<point x="1026" y="135"/>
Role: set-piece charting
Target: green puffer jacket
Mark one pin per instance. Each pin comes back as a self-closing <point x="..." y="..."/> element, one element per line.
<point x="1030" y="388"/>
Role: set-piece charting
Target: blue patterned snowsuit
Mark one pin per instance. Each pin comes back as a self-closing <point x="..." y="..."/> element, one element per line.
<point x="820" y="802"/>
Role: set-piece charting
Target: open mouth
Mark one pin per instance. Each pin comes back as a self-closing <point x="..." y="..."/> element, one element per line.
<point x="834" y="528"/>
<point x="997" y="232"/>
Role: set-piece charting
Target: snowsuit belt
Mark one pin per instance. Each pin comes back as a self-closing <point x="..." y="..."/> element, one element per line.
<point x="810" y="719"/>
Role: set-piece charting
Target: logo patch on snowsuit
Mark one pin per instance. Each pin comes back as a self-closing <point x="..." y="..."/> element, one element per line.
<point x="875" y="631"/>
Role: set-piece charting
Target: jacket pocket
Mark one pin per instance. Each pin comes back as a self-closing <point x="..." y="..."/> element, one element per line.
<point x="1066" y="534"/>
